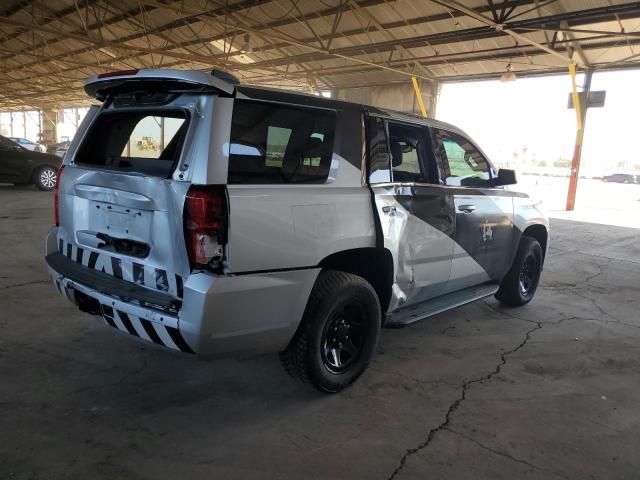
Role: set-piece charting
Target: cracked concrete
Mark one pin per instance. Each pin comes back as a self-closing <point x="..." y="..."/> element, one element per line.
<point x="547" y="391"/>
<point x="463" y="396"/>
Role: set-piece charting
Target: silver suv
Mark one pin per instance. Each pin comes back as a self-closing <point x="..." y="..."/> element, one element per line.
<point x="211" y="218"/>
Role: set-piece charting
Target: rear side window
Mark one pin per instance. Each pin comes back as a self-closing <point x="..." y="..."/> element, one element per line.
<point x="272" y="143"/>
<point x="142" y="142"/>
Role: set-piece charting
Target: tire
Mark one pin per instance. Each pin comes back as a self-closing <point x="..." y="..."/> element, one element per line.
<point x="519" y="285"/>
<point x="343" y="305"/>
<point x="45" y="178"/>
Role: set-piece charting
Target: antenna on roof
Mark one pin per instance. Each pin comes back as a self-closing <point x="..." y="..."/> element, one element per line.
<point x="226" y="76"/>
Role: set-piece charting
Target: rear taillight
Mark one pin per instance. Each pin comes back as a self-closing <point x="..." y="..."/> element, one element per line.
<point x="56" y="201"/>
<point x="205" y="225"/>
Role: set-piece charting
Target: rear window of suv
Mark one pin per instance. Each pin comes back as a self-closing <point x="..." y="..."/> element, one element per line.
<point x="143" y="142"/>
<point x="274" y="143"/>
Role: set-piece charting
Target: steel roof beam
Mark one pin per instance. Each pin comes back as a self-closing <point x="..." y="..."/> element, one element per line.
<point x="194" y="17"/>
<point x="477" y="33"/>
<point x="499" y="27"/>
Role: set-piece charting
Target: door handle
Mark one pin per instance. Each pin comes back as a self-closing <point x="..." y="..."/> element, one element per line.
<point x="467" y="208"/>
<point x="389" y="209"/>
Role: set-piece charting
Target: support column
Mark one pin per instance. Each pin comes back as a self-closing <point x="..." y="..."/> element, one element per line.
<point x="581" y="105"/>
<point x="433" y="99"/>
<point x="419" y="99"/>
<point x="49" y="126"/>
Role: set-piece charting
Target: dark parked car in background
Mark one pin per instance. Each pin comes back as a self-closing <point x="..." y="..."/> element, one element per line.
<point x="21" y="166"/>
<point x="621" y="178"/>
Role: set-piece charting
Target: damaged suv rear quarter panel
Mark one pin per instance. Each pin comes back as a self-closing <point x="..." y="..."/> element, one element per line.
<point x="301" y="224"/>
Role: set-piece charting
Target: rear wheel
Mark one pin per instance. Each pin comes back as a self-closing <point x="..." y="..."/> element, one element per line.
<point x="519" y="285"/>
<point x="45" y="178"/>
<point x="338" y="333"/>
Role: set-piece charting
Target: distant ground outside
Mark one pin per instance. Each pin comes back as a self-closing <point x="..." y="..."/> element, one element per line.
<point x="596" y="202"/>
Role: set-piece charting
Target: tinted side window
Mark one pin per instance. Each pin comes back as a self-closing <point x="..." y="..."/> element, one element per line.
<point x="7" y="144"/>
<point x="272" y="143"/>
<point x="379" y="165"/>
<point x="408" y="154"/>
<point x="460" y="163"/>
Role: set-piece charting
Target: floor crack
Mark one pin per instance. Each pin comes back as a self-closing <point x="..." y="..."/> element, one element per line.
<point x="463" y="395"/>
<point x="503" y="454"/>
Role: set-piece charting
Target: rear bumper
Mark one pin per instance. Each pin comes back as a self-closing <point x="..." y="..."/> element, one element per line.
<point x="217" y="315"/>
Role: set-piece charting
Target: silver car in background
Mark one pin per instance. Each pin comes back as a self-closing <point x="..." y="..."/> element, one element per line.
<point x="28" y="144"/>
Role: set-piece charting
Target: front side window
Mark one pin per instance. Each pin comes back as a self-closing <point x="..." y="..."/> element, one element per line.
<point x="273" y="143"/>
<point x="459" y="162"/>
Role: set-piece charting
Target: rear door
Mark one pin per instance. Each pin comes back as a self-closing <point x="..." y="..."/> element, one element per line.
<point x="484" y="235"/>
<point x="416" y="214"/>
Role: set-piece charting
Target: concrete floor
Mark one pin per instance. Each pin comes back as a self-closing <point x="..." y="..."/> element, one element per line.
<point x="551" y="390"/>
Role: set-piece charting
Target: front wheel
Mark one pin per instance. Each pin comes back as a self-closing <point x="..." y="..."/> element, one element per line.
<point x="519" y="285"/>
<point x="338" y="333"/>
<point x="45" y="179"/>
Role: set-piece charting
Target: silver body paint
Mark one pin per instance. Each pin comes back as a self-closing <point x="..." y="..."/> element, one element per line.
<point x="268" y="225"/>
<point x="277" y="235"/>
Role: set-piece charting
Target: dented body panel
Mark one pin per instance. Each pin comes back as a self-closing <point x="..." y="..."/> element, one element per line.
<point x="130" y="226"/>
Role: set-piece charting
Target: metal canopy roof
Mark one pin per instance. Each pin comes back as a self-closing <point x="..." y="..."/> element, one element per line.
<point x="48" y="47"/>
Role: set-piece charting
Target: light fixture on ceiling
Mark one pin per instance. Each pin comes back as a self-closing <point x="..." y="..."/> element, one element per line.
<point x="246" y="46"/>
<point x="509" y="75"/>
<point x="235" y="54"/>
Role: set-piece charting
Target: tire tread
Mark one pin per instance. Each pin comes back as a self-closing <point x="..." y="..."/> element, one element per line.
<point x="509" y="293"/>
<point x="294" y="358"/>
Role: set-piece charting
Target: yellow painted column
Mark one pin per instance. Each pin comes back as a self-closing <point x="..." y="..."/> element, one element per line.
<point x="580" y="120"/>
<point x="416" y="88"/>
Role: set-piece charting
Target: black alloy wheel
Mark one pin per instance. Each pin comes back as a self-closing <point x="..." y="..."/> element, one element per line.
<point x="528" y="274"/>
<point x="343" y="338"/>
<point x="338" y="333"/>
<point x="519" y="285"/>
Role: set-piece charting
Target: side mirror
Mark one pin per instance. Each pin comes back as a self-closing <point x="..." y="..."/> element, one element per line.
<point x="505" y="177"/>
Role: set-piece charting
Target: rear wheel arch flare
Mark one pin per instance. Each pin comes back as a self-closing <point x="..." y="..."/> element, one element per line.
<point x="375" y="265"/>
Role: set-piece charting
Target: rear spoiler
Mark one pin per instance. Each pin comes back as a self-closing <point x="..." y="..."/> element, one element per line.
<point x="100" y="86"/>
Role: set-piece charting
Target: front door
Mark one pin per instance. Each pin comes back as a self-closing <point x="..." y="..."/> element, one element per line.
<point x="416" y="215"/>
<point x="484" y="234"/>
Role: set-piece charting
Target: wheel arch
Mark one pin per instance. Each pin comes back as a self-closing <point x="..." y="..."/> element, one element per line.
<point x="375" y="265"/>
<point x="540" y="233"/>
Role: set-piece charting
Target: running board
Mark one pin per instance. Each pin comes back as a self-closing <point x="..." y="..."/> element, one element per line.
<point x="413" y="313"/>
